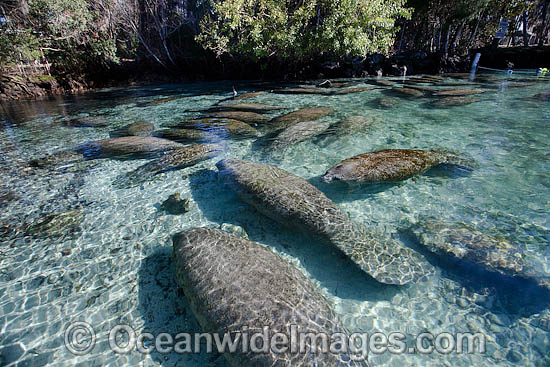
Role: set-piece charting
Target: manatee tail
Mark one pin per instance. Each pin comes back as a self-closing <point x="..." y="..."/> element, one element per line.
<point x="132" y="178"/>
<point x="446" y="157"/>
<point x="384" y="258"/>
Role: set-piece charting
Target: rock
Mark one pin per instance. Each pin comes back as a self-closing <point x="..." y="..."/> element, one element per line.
<point x="304" y="114"/>
<point x="128" y="147"/>
<point x="92" y="121"/>
<point x="407" y="92"/>
<point x="244" y="96"/>
<point x="462" y="242"/>
<point x="299" y="132"/>
<point x="458" y="92"/>
<point x="171" y="161"/>
<point x="294" y="202"/>
<point x="223" y="126"/>
<point x="247" y="107"/>
<point x="231" y="228"/>
<point x="186" y="135"/>
<point x="453" y="101"/>
<point x="56" y="225"/>
<point x="390" y="165"/>
<point x="175" y="205"/>
<point x="235" y="285"/>
<point x="251" y="118"/>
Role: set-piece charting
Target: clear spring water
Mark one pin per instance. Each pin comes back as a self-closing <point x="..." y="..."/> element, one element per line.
<point x="116" y="267"/>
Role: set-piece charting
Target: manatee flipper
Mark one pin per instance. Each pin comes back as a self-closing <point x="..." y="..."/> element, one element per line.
<point x="384" y="258"/>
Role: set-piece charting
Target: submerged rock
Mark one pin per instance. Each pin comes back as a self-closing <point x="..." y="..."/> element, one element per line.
<point x="453" y="101"/>
<point x="175" y="205"/>
<point x="299" y="132"/>
<point x="304" y="114"/>
<point x="56" y="225"/>
<point x="217" y="125"/>
<point x="128" y="147"/>
<point x="294" y="202"/>
<point x="186" y="135"/>
<point x="235" y="285"/>
<point x="141" y="128"/>
<point x="390" y="165"/>
<point x="464" y="243"/>
<point x="458" y="92"/>
<point x="247" y="107"/>
<point x="248" y="117"/>
<point x="173" y="160"/>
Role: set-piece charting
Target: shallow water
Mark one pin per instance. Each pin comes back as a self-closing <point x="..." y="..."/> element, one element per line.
<point x="115" y="267"/>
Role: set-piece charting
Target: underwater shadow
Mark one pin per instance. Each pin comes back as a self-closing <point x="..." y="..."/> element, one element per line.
<point x="341" y="192"/>
<point x="517" y="297"/>
<point x="164" y="309"/>
<point x="327" y="265"/>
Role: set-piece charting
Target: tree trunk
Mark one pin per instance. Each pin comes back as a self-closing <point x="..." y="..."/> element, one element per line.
<point x="525" y="31"/>
<point x="474" y="33"/>
<point x="543" y="31"/>
<point x="455" y="39"/>
<point x="446" y="36"/>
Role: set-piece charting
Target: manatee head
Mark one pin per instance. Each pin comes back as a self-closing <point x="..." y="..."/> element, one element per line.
<point x="345" y="171"/>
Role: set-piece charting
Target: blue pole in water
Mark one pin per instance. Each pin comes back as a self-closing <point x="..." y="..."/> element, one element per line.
<point x="474" y="66"/>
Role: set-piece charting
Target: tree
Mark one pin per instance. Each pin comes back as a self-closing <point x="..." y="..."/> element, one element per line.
<point x="299" y="30"/>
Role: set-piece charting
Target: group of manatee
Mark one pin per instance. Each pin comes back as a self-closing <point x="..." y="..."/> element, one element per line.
<point x="231" y="282"/>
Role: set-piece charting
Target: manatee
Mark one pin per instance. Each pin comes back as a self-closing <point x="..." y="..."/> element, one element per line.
<point x="465" y="243"/>
<point x="186" y="135"/>
<point x="453" y="101"/>
<point x="57" y="159"/>
<point x="542" y="97"/>
<point x="304" y="114"/>
<point x="159" y="101"/>
<point x="389" y="165"/>
<point x="296" y="203"/>
<point x="354" y="124"/>
<point x="220" y="125"/>
<point x="386" y="102"/>
<point x="248" y="117"/>
<point x="458" y="92"/>
<point x="141" y="128"/>
<point x="383" y="82"/>
<point x="301" y="91"/>
<point x="351" y="90"/>
<point x="247" y="107"/>
<point x="234" y="285"/>
<point x="249" y="95"/>
<point x="407" y="92"/>
<point x="299" y="132"/>
<point x="127" y="147"/>
<point x="173" y="160"/>
<point x="331" y="84"/>
<point x="92" y="121"/>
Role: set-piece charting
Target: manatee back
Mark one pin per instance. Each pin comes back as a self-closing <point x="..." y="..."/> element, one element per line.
<point x="234" y="284"/>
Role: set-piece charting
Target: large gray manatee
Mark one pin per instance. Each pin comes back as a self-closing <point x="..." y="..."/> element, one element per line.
<point x="233" y="285"/>
<point x="294" y="202"/>
<point x="390" y="165"/>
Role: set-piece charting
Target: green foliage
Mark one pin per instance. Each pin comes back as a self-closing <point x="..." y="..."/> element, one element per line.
<point x="16" y="45"/>
<point x="299" y="30"/>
